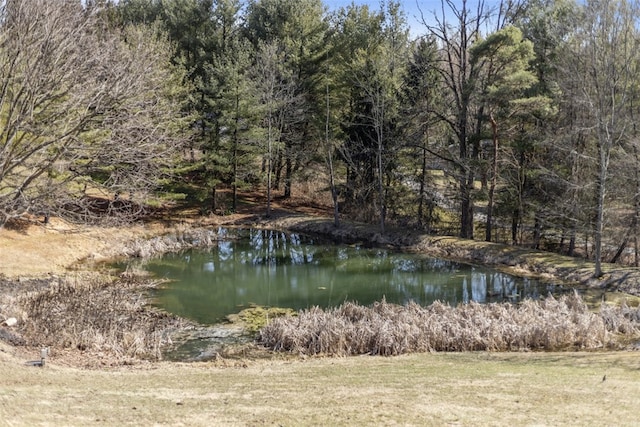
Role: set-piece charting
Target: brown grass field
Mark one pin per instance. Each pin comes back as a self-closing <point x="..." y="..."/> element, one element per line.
<point x="463" y="388"/>
<point x="467" y="389"/>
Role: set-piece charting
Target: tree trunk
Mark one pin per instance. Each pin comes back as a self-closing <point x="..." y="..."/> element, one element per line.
<point x="466" y="205"/>
<point x="269" y="166"/>
<point x="625" y="241"/>
<point x="330" y="151"/>
<point x="572" y="241"/>
<point x="234" y="184"/>
<point x="515" y="222"/>
<point x="421" y="193"/>
<point x="636" y="198"/>
<point x="380" y="135"/>
<point x="277" y="170"/>
<point x="334" y="192"/>
<point x="287" y="176"/>
<point x="381" y="201"/>
<point x="537" y="232"/>
<point x="600" y="195"/>
<point x="494" y="178"/>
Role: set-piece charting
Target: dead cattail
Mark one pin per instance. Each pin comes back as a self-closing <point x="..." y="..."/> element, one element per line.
<point x="388" y="329"/>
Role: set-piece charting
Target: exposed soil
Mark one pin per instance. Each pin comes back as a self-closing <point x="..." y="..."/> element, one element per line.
<point x="29" y="248"/>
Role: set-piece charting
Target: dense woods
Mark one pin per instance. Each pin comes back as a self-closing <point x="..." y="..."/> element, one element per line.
<point x="513" y="123"/>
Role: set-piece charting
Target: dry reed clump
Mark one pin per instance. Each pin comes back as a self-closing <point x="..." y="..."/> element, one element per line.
<point x="101" y="317"/>
<point x="389" y="329"/>
<point x="180" y="240"/>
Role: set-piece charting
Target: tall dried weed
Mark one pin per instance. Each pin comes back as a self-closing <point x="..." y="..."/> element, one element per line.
<point x="388" y="329"/>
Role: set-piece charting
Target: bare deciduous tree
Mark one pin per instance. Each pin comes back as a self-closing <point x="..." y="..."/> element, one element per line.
<point x="602" y="59"/>
<point x="277" y="93"/>
<point x="459" y="77"/>
<point x="84" y="108"/>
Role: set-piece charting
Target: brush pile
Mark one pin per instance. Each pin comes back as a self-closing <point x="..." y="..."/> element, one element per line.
<point x="388" y="329"/>
<point x="96" y="316"/>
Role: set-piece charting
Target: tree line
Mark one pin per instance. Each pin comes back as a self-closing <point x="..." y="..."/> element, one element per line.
<point x="511" y="123"/>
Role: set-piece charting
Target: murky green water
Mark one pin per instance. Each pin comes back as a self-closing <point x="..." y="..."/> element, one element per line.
<point x="290" y="270"/>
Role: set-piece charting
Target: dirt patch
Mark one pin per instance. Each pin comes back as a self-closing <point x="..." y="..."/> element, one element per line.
<point x="41" y="250"/>
<point x="30" y="248"/>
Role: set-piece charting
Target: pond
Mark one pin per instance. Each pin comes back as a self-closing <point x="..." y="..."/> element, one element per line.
<point x="273" y="268"/>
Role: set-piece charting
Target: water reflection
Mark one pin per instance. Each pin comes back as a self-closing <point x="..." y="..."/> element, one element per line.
<point x="273" y="268"/>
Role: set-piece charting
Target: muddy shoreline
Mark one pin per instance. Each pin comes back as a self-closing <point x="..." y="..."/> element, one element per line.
<point x="514" y="260"/>
<point x="155" y="238"/>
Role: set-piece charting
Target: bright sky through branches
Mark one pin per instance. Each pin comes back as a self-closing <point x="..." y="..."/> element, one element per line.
<point x="412" y="9"/>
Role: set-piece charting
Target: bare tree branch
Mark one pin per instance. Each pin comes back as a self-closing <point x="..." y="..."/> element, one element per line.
<point x="80" y="102"/>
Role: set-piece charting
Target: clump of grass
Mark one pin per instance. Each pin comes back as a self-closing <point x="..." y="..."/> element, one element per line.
<point x="388" y="329"/>
<point x="97" y="316"/>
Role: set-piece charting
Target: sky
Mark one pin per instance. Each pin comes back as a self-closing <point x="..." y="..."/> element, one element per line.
<point x="411" y="8"/>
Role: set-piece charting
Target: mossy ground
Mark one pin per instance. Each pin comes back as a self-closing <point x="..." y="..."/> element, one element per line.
<point x="255" y="318"/>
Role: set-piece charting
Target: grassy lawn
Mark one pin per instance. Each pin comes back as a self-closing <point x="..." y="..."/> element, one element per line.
<point x="425" y="389"/>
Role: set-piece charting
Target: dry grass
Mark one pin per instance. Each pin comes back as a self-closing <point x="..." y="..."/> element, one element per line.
<point x="437" y="389"/>
<point x="387" y="329"/>
<point x="96" y="316"/>
<point x="180" y="238"/>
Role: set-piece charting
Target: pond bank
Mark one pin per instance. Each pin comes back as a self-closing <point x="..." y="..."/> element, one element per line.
<point x="38" y="251"/>
<point x="88" y="245"/>
<point x="513" y="259"/>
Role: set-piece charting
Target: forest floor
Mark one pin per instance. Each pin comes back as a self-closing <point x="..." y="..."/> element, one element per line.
<point x="422" y="389"/>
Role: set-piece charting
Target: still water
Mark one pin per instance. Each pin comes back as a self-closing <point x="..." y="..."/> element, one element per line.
<point x="273" y="268"/>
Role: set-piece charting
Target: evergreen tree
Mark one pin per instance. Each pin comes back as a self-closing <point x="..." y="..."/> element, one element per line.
<point x="298" y="28"/>
<point x="422" y="128"/>
<point x="370" y="54"/>
<point x="504" y="58"/>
